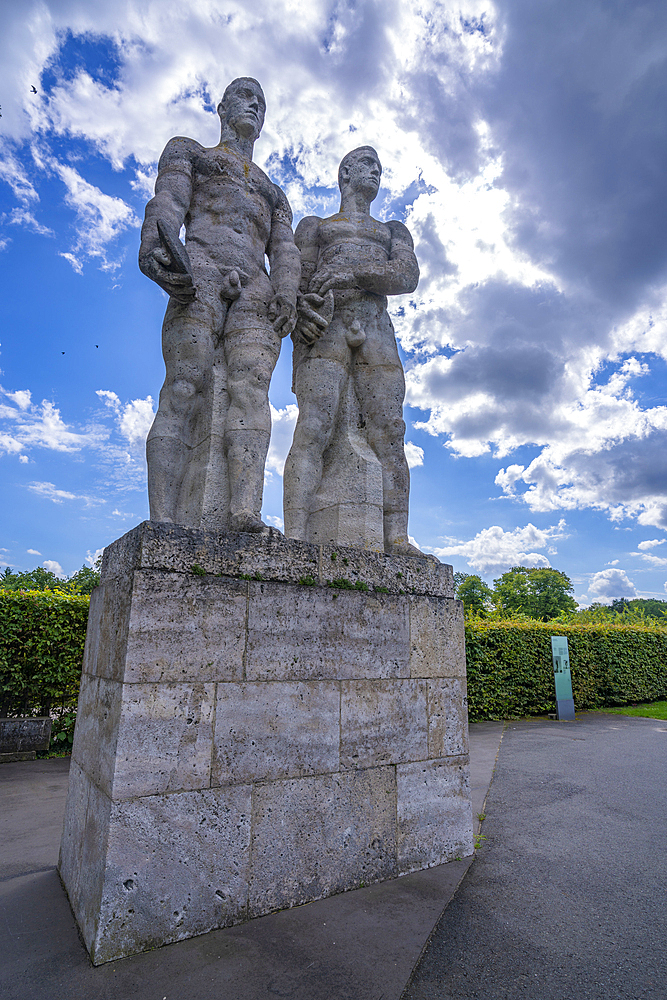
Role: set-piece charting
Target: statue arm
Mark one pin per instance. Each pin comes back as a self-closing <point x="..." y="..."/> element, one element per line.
<point x="315" y="311"/>
<point x="401" y="272"/>
<point x="285" y="264"/>
<point x="170" y="204"/>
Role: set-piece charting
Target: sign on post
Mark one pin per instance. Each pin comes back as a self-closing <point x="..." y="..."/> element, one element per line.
<point x="562" y="678"/>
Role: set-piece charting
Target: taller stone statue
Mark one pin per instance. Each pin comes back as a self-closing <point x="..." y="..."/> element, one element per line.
<point x="224" y="322"/>
<point x="346" y="477"/>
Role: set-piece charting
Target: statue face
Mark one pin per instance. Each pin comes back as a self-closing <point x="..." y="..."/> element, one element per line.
<point x="362" y="172"/>
<point x="244" y="108"/>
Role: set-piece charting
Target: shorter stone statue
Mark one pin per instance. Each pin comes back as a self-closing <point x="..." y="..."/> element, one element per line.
<point x="222" y="330"/>
<point x="346" y="478"/>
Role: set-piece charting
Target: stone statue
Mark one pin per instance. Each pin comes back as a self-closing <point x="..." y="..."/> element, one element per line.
<point x="346" y="478"/>
<point x="224" y="322"/>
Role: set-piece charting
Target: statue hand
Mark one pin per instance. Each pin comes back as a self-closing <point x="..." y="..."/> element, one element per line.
<point x="315" y="314"/>
<point x="324" y="281"/>
<point x="155" y="266"/>
<point x="282" y="313"/>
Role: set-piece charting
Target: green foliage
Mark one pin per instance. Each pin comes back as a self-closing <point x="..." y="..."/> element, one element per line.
<point x="199" y="570"/>
<point x="510" y="672"/>
<point x="42" y="635"/>
<point x="542" y="594"/>
<point x="342" y="584"/>
<point x="307" y="581"/>
<point x="477" y="597"/>
<point x="81" y="582"/>
<point x="656" y="710"/>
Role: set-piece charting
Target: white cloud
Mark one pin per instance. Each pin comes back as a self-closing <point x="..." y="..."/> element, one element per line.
<point x="494" y="550"/>
<point x="651" y="543"/>
<point x="51" y="492"/>
<point x="611" y="584"/>
<point x="134" y="418"/>
<point x="32" y="425"/>
<point x="100" y="217"/>
<point x="92" y="557"/>
<point x="22" y="398"/>
<point x="33" y="552"/>
<point x="414" y="454"/>
<point x="53" y="567"/>
<point x="283" y="423"/>
<point x="26" y="219"/>
<point x="277" y="522"/>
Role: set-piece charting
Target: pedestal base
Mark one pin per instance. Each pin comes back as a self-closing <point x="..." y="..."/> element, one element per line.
<point x="250" y="738"/>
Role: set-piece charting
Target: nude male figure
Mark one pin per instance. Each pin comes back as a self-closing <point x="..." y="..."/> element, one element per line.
<point x="358" y="262"/>
<point x="220" y="292"/>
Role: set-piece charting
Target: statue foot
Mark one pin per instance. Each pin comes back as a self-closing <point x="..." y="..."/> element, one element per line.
<point x="251" y="523"/>
<point x="401" y="547"/>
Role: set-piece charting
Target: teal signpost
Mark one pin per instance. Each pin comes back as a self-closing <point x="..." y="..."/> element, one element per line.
<point x="562" y="678"/>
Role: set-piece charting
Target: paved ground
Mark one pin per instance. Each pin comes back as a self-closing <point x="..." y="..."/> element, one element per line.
<point x="567" y="897"/>
<point x="360" y="945"/>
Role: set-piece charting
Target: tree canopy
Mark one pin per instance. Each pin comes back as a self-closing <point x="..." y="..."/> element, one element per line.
<point x="81" y="582"/>
<point x="476" y="595"/>
<point x="540" y="593"/>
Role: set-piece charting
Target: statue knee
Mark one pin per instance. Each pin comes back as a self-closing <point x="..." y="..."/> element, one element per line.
<point x="182" y="393"/>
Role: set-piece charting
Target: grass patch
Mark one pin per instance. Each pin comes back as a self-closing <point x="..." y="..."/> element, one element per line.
<point x="653" y="710"/>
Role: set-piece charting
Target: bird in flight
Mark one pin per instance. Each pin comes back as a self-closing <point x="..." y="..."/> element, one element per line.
<point x="33" y="89"/>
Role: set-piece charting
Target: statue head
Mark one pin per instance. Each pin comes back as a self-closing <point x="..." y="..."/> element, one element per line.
<point x="242" y="108"/>
<point x="361" y="170"/>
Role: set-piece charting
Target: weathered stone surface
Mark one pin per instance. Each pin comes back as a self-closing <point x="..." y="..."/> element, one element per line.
<point x="221" y="334"/>
<point x="247" y="741"/>
<point x="447" y="717"/>
<point x="346" y="477"/>
<point x="437" y="638"/>
<point x="83" y="850"/>
<point x="177" y="865"/>
<point x="171" y="547"/>
<point x="97" y="727"/>
<point x="265" y="731"/>
<point x="306" y="633"/>
<point x="317" y="836"/>
<point x="25" y="734"/>
<point x="382" y="722"/>
<point x="165" y="739"/>
<point x="434" y="812"/>
<point x="184" y="627"/>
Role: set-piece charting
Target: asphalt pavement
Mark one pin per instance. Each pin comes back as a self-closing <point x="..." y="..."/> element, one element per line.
<point x="567" y="897"/>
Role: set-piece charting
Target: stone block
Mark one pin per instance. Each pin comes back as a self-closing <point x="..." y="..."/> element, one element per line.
<point x="382" y="722"/>
<point x="434" y="813"/>
<point x="173" y="548"/>
<point x="185" y="627"/>
<point x="176" y="866"/>
<point x="270" y="730"/>
<point x="313" y="837"/>
<point x="108" y="628"/>
<point x="165" y="739"/>
<point x="447" y="717"/>
<point x="437" y="638"/>
<point x="308" y="633"/>
<point x="96" y="733"/>
<point x="83" y="850"/>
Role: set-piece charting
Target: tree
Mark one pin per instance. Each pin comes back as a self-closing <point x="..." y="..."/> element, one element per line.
<point x="85" y="579"/>
<point x="539" y="593"/>
<point x="34" y="579"/>
<point x="477" y="597"/>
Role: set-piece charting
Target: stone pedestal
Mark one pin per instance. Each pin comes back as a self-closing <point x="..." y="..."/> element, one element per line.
<point x="250" y="738"/>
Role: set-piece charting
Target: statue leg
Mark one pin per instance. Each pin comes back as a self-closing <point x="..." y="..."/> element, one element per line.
<point x="318" y="384"/>
<point x="187" y="346"/>
<point x="381" y="391"/>
<point x="251" y="356"/>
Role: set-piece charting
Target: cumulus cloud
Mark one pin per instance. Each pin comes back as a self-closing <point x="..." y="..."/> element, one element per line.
<point x="414" y="454"/>
<point x="33" y="552"/>
<point x="537" y="218"/>
<point x="495" y="550"/>
<point x="53" y="567"/>
<point x="39" y="425"/>
<point x="611" y="584"/>
<point x="283" y="423"/>
<point x="134" y="418"/>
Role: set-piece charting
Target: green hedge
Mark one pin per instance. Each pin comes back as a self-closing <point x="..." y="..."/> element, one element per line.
<point x="42" y="635"/>
<point x="510" y="672"/>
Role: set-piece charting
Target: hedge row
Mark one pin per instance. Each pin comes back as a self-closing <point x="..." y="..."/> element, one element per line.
<point x="42" y="635"/>
<point x="509" y="667"/>
<point x="510" y="672"/>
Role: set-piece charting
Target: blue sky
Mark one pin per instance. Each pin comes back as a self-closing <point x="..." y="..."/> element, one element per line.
<point x="523" y="143"/>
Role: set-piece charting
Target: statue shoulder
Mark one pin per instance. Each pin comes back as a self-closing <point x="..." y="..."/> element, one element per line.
<point x="281" y="207"/>
<point x="179" y="151"/>
<point x="400" y="233"/>
<point x="307" y="231"/>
